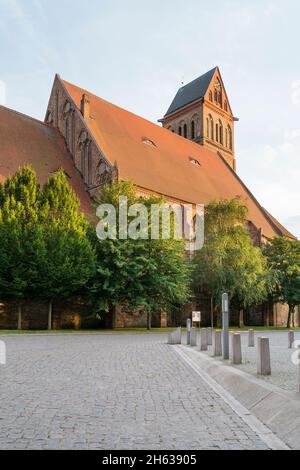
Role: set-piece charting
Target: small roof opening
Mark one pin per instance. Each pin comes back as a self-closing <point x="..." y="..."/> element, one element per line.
<point x="194" y="161"/>
<point x="147" y="141"/>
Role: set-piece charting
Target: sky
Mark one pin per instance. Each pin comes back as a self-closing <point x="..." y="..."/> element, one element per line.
<point x="136" y="54"/>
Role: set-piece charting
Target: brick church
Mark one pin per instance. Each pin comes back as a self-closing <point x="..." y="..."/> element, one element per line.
<point x="189" y="159"/>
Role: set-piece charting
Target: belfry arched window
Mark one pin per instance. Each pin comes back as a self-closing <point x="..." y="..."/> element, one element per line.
<point x="230" y="137"/>
<point x="207" y="128"/>
<point x="180" y="130"/>
<point x="220" y="132"/>
<point x="211" y="125"/>
<point x="217" y="132"/>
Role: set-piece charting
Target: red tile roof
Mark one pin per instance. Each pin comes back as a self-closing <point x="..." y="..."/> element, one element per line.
<point x="281" y="228"/>
<point x="165" y="167"/>
<point x="27" y="140"/>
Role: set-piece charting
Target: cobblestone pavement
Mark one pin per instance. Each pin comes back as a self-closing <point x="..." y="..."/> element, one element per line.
<point x="110" y="392"/>
<point x="284" y="372"/>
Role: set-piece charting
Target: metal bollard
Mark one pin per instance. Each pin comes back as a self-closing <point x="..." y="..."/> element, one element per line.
<point x="291" y="339"/>
<point x="263" y="356"/>
<point x="209" y="336"/>
<point x="251" y="341"/>
<point x="188" y="331"/>
<point x="217" y="344"/>
<point x="225" y="325"/>
<point x="173" y="337"/>
<point x="203" y="339"/>
<point x="236" y="349"/>
<point x="299" y="368"/>
<point x="193" y="337"/>
<point x="179" y="335"/>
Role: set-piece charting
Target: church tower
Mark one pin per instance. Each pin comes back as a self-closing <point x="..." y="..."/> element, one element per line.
<point x="201" y="112"/>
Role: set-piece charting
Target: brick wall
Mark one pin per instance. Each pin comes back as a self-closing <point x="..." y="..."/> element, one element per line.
<point x="129" y="318"/>
<point x="67" y="314"/>
<point x="75" y="314"/>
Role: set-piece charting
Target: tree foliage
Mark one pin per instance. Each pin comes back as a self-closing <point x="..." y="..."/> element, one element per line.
<point x="70" y="260"/>
<point x="228" y="261"/>
<point x="149" y="274"/>
<point x="283" y="259"/>
<point x="21" y="237"/>
<point x="44" y="251"/>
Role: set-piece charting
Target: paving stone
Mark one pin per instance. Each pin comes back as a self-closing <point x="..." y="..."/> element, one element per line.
<point x="126" y="391"/>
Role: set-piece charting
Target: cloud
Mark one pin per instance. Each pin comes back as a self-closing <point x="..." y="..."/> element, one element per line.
<point x="272" y="172"/>
<point x="295" y="96"/>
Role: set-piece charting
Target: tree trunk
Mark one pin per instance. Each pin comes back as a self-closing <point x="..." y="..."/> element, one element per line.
<point x="112" y="310"/>
<point x="241" y="319"/>
<point x="50" y="314"/>
<point x="293" y="317"/>
<point x="20" y="315"/>
<point x="291" y="310"/>
<point x="212" y="311"/>
<point x="149" y="320"/>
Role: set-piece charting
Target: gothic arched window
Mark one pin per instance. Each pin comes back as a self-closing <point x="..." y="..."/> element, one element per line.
<point x="89" y="164"/>
<point x="193" y="130"/>
<point x="83" y="159"/>
<point x="85" y="155"/>
<point x="67" y="130"/>
<point x="217" y="132"/>
<point x="207" y="128"/>
<point x="57" y="110"/>
<point x="180" y="130"/>
<point x="185" y="131"/>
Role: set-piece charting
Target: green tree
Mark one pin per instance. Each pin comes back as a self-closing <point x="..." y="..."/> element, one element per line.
<point x="228" y="261"/>
<point x="70" y="258"/>
<point x="283" y="259"/>
<point x="149" y="274"/>
<point x="44" y="248"/>
<point x="21" y="238"/>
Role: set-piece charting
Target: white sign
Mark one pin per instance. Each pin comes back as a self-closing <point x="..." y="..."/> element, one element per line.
<point x="225" y="303"/>
<point x="196" y="317"/>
